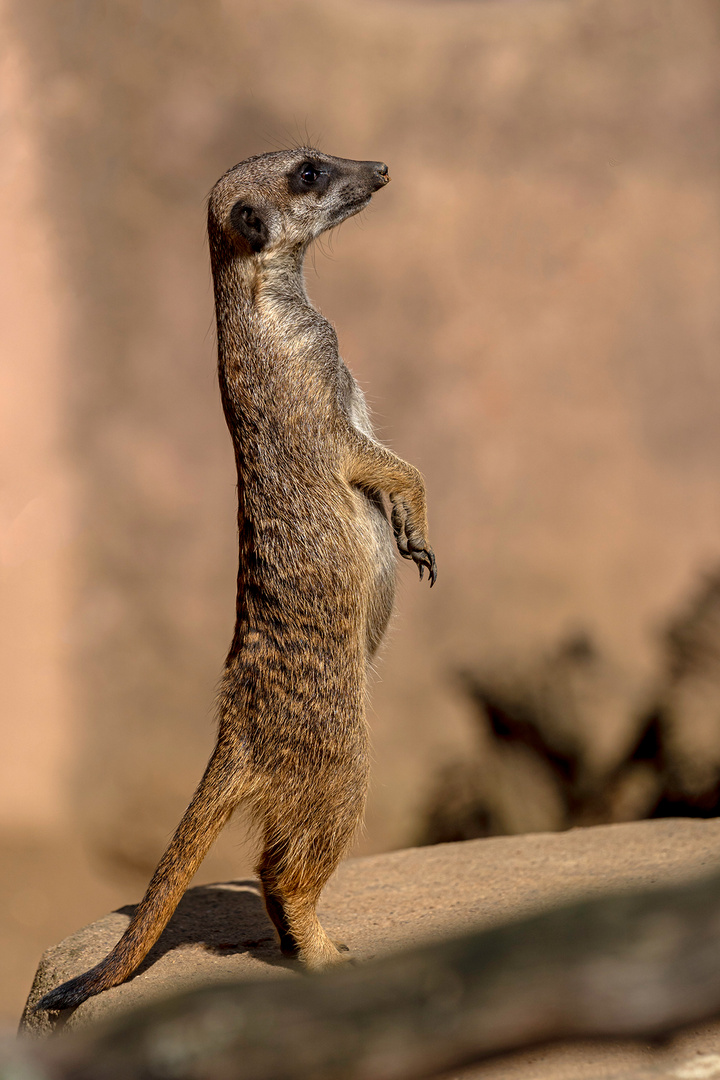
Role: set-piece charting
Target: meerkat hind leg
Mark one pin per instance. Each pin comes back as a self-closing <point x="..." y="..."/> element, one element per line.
<point x="291" y="889"/>
<point x="292" y="911"/>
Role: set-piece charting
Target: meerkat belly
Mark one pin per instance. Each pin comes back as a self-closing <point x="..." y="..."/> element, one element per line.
<point x="328" y="557"/>
<point x="377" y="529"/>
<point x="377" y="538"/>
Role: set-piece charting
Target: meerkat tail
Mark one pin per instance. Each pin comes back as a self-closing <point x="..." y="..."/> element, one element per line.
<point x="211" y="806"/>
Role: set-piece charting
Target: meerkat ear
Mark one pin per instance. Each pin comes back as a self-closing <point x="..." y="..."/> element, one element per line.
<point x="249" y="223"/>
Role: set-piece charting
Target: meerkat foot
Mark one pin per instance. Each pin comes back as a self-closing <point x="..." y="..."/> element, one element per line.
<point x="314" y="958"/>
<point x="324" y="955"/>
<point x="301" y="936"/>
<point x="314" y="949"/>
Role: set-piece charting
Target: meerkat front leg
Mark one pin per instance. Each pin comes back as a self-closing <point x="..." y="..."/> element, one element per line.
<point x="373" y="467"/>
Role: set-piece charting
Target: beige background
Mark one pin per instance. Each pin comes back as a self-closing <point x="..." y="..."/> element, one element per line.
<point x="532" y="306"/>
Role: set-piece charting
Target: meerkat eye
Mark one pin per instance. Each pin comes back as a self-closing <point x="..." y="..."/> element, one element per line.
<point x="308" y="174"/>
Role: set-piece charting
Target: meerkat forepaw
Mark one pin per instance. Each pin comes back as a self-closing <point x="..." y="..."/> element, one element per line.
<point x="410" y="544"/>
<point x="421" y="554"/>
<point x="398" y="518"/>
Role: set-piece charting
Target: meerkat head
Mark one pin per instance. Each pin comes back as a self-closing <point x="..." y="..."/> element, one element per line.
<point x="282" y="201"/>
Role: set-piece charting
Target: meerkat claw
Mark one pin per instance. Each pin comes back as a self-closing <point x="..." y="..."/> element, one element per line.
<point x="425" y="560"/>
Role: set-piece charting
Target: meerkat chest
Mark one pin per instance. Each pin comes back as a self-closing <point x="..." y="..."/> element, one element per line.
<point x="354" y="403"/>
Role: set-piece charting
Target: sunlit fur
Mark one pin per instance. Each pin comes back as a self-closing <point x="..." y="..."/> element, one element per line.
<point x="316" y="567"/>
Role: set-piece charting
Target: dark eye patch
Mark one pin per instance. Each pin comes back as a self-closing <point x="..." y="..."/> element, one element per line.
<point x="309" y="176"/>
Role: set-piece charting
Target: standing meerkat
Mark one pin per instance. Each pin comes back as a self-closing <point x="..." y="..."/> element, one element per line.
<point x="316" y="574"/>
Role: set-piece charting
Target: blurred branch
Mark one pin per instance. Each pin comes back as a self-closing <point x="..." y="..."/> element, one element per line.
<point x="630" y="965"/>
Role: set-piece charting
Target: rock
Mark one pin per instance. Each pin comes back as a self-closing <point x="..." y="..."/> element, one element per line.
<point x="218" y="931"/>
<point x="381" y="903"/>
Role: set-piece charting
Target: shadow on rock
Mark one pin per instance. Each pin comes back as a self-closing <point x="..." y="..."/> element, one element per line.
<point x="226" y="918"/>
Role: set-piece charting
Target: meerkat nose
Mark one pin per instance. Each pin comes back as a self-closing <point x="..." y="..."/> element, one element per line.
<point x="381" y="171"/>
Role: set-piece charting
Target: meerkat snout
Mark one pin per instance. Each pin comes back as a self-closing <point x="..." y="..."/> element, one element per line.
<point x="379" y="173"/>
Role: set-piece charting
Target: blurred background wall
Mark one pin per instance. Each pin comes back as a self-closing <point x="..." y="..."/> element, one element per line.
<point x="532" y="306"/>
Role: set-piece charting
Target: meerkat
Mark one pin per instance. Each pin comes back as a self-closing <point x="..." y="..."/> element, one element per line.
<point x="316" y="571"/>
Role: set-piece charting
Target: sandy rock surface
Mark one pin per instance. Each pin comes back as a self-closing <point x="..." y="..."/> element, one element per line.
<point x="381" y="903"/>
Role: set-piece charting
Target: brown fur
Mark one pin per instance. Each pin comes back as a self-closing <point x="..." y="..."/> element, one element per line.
<point x="316" y="570"/>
